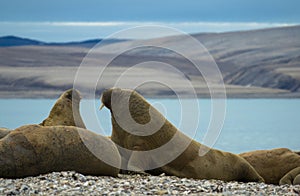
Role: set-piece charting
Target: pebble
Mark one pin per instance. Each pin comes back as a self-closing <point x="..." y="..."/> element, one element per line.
<point x="72" y="183"/>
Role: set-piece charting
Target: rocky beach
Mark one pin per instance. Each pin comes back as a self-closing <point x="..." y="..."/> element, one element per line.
<point x="72" y="183"/>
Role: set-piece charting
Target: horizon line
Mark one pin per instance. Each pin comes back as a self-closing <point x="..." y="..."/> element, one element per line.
<point x="67" y="31"/>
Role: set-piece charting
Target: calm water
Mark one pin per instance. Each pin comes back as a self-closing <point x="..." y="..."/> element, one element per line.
<point x="249" y="123"/>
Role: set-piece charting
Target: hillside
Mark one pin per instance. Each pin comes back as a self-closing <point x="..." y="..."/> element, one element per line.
<point x="260" y="63"/>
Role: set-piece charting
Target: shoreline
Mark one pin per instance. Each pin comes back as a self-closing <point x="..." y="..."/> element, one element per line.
<point x="56" y="94"/>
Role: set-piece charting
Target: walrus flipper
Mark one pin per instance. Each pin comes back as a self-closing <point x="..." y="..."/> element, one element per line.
<point x="292" y="177"/>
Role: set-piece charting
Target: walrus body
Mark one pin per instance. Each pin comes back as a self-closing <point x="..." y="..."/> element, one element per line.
<point x="33" y="149"/>
<point x="66" y="111"/>
<point x="292" y="177"/>
<point x="4" y="132"/>
<point x="213" y="165"/>
<point x="273" y="164"/>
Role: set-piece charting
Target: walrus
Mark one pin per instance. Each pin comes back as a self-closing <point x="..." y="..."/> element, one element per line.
<point x="135" y="144"/>
<point x="273" y="164"/>
<point x="33" y="149"/>
<point x="4" y="132"/>
<point x="292" y="177"/>
<point x="66" y="111"/>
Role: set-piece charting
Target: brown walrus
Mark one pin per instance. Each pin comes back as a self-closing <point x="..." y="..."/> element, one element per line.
<point x="167" y="149"/>
<point x="66" y="111"/>
<point x="292" y="177"/>
<point x="4" y="132"/>
<point x="273" y="164"/>
<point x="33" y="149"/>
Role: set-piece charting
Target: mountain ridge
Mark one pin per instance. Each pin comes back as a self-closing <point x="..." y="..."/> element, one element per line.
<point x="12" y="41"/>
<point x="256" y="63"/>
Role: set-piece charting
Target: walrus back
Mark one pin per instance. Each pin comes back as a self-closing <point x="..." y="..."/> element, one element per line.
<point x="4" y="132"/>
<point x="32" y="150"/>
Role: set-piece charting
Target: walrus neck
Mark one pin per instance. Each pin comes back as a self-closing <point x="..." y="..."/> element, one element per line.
<point x="129" y="141"/>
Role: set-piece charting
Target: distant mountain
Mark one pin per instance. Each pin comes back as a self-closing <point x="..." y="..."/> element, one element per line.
<point x="256" y="63"/>
<point x="266" y="58"/>
<point x="8" y="41"/>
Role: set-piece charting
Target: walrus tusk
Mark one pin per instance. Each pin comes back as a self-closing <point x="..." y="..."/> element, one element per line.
<point x="101" y="106"/>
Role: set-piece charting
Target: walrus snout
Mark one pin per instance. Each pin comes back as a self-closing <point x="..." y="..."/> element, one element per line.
<point x="106" y="97"/>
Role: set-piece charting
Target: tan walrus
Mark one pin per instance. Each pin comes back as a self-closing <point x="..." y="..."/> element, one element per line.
<point x="66" y="111"/>
<point x="168" y="141"/>
<point x="273" y="164"/>
<point x="4" y="132"/>
<point x="292" y="177"/>
<point x="33" y="149"/>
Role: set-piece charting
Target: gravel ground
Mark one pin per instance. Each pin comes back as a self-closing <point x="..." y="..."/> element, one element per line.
<point x="72" y="183"/>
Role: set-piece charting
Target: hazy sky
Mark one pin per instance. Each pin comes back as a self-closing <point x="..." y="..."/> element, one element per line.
<point x="64" y="20"/>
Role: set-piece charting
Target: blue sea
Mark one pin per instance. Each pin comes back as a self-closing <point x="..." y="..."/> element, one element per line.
<point x="249" y="124"/>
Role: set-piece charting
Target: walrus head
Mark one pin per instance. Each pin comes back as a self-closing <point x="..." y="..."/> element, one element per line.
<point x="132" y="114"/>
<point x="126" y="102"/>
<point x="106" y="99"/>
<point x="138" y="126"/>
<point x="66" y="110"/>
<point x="72" y="95"/>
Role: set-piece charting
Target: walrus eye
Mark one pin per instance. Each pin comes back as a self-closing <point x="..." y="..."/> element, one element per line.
<point x="69" y="96"/>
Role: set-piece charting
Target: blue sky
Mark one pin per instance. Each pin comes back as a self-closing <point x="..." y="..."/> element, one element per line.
<point x="65" y="20"/>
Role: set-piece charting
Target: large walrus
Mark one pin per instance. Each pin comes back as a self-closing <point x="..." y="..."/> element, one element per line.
<point x="273" y="164"/>
<point x="139" y="148"/>
<point x="33" y="149"/>
<point x="4" y="132"/>
<point x="292" y="177"/>
<point x="66" y="111"/>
